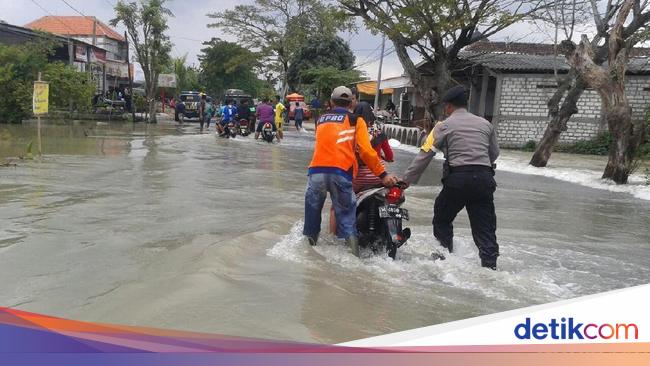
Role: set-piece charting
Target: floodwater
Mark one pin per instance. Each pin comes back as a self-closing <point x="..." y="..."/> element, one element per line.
<point x="161" y="226"/>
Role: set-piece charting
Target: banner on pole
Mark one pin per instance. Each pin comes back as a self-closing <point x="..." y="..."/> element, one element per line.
<point x="41" y="98"/>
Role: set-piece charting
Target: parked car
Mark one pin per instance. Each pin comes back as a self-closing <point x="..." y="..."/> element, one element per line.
<point x="191" y="101"/>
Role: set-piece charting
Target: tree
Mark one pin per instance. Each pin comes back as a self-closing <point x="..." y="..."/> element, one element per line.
<point x="319" y="51"/>
<point x="226" y="65"/>
<point x="324" y="79"/>
<point x="146" y="23"/>
<point x="180" y="70"/>
<point x="609" y="82"/>
<point x="68" y="84"/>
<point x="572" y="85"/>
<point x="277" y="28"/>
<point x="436" y="31"/>
<point x="187" y="77"/>
<point x="19" y="68"/>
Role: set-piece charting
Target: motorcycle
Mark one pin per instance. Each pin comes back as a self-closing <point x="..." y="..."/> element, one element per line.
<point x="267" y="132"/>
<point x="379" y="219"/>
<point x="244" y="127"/>
<point x="231" y="130"/>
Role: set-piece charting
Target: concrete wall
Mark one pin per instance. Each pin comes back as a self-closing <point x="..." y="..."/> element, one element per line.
<point x="406" y="135"/>
<point x="523" y="115"/>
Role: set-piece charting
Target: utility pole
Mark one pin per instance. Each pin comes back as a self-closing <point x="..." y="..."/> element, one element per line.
<point x="381" y="65"/>
<point x="94" y="31"/>
<point x="71" y="58"/>
<point x="38" y="127"/>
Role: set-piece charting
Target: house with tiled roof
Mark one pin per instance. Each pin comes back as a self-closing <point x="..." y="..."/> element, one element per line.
<point x="511" y="83"/>
<point x="110" y="53"/>
<point x="88" y="29"/>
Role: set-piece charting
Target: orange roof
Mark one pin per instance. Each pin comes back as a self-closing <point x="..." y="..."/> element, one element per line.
<point x="73" y="26"/>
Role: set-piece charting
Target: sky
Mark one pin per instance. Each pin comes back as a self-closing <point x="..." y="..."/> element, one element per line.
<point x="188" y="27"/>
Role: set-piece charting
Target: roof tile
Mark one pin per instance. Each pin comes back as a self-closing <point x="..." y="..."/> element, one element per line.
<point x="74" y="26"/>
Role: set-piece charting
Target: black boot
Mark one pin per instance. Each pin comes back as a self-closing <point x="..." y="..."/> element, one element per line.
<point x="489" y="263"/>
<point x="312" y="240"/>
<point x="447" y="244"/>
<point x="353" y="242"/>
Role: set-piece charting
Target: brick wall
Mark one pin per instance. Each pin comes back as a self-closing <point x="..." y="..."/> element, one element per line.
<point x="523" y="114"/>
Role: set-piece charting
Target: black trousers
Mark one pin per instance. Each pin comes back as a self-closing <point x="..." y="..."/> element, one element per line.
<point x="473" y="190"/>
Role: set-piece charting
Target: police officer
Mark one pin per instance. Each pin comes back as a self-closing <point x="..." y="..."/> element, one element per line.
<point x="470" y="146"/>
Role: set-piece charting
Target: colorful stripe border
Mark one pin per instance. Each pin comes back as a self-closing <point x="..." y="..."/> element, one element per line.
<point x="33" y="339"/>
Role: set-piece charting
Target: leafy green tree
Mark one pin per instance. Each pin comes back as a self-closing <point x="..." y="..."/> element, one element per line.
<point x="181" y="71"/>
<point x="435" y="31"/>
<point x="278" y="28"/>
<point x="187" y="77"/>
<point x="324" y="79"/>
<point x="19" y="68"/>
<point x="319" y="51"/>
<point x="226" y="65"/>
<point x="146" y="23"/>
<point x="67" y="84"/>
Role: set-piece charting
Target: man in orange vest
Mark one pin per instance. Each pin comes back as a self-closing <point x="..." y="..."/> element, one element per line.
<point x="339" y="135"/>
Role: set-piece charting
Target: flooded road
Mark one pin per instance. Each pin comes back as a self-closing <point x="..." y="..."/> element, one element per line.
<point x="161" y="226"/>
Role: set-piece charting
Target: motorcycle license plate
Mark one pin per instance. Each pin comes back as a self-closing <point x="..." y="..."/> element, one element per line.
<point x="392" y="211"/>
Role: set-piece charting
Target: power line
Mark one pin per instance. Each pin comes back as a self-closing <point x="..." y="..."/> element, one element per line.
<point x="187" y="39"/>
<point x="370" y="62"/>
<point x="50" y="14"/>
<point x="371" y="54"/>
<point x="73" y="8"/>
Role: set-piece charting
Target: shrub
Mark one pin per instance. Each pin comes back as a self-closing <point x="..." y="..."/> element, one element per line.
<point x="19" y="67"/>
<point x="597" y="146"/>
<point x="529" y="146"/>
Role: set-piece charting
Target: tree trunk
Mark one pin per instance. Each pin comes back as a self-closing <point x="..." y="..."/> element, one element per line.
<point x="151" y="83"/>
<point x="625" y="143"/>
<point x="610" y="83"/>
<point x="425" y="85"/>
<point x="151" y="98"/>
<point x="559" y="119"/>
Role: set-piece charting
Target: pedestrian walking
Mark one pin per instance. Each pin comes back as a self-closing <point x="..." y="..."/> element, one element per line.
<point x="298" y="116"/>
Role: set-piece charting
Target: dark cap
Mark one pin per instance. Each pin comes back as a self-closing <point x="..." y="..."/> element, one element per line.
<point x="456" y="96"/>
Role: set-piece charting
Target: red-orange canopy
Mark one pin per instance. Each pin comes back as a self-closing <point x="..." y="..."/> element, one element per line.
<point x="295" y="97"/>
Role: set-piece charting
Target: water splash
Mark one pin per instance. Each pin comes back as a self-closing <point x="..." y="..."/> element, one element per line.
<point x="416" y="270"/>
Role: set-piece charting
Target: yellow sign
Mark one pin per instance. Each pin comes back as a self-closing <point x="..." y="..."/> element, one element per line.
<point x="41" y="98"/>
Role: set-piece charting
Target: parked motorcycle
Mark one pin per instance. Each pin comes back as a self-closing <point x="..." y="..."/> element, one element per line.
<point x="379" y="219"/>
<point x="267" y="132"/>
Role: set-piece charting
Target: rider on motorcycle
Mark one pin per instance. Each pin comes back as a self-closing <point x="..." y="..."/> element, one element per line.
<point x="244" y="113"/>
<point x="265" y="114"/>
<point x="229" y="113"/>
<point x="365" y="179"/>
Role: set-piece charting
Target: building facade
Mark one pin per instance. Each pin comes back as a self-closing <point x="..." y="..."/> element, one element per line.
<point x="511" y="84"/>
<point x="106" y="59"/>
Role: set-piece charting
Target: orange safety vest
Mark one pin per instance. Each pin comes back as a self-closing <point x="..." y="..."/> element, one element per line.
<point x="337" y="140"/>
